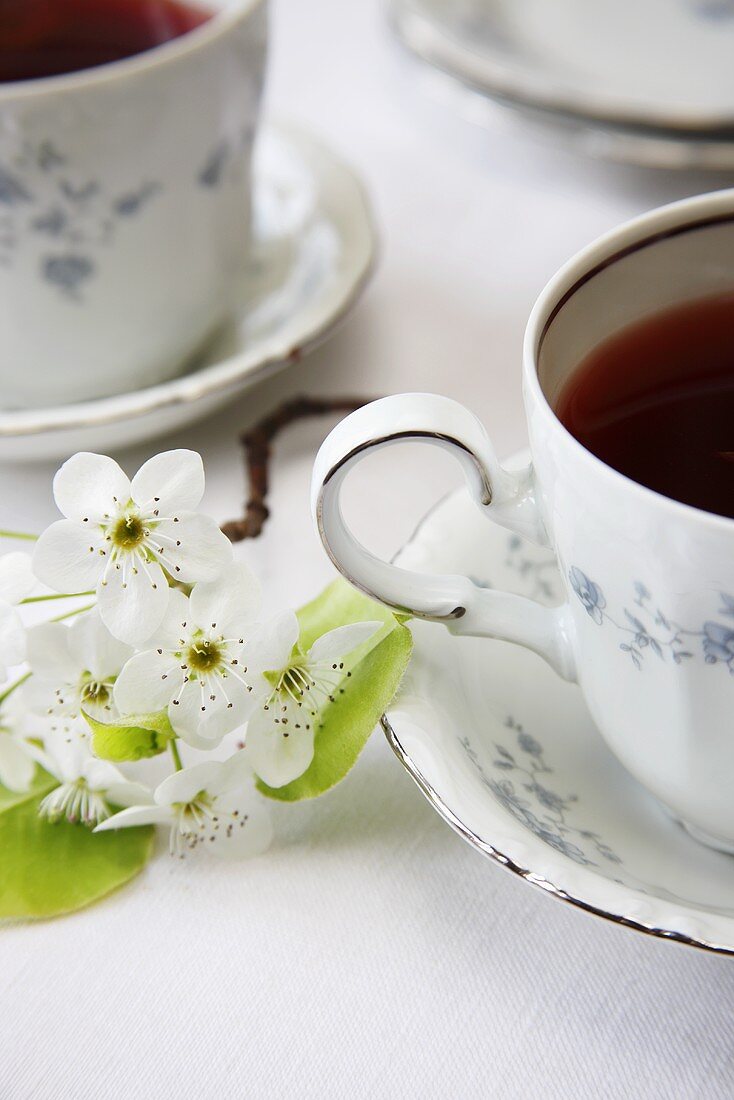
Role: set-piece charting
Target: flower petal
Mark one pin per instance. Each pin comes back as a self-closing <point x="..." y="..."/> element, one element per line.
<point x="171" y="482"/>
<point x="251" y="831"/>
<point x="221" y="719"/>
<point x="176" y="623"/>
<point x="183" y="786"/>
<point x="129" y="794"/>
<point x="68" y="558"/>
<point x="49" y="655"/>
<point x="147" y="683"/>
<point x="39" y="754"/>
<point x="100" y="774"/>
<point x="67" y="753"/>
<point x="94" y="647"/>
<point x="12" y="636"/>
<point x="104" y="777"/>
<point x="88" y="486"/>
<point x="101" y="709"/>
<point x="15" y="716"/>
<point x="16" y="766"/>
<point x="337" y="643"/>
<point x="132" y="604"/>
<point x="41" y="698"/>
<point x="202" y="553"/>
<point x="236" y="772"/>
<point x="138" y="815"/>
<point x="186" y="716"/>
<point x="232" y="600"/>
<point x="269" y="648"/>
<point x="278" y="753"/>
<point x="16" y="577"/>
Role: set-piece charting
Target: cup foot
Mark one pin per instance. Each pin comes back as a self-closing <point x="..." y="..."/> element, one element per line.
<point x="720" y="844"/>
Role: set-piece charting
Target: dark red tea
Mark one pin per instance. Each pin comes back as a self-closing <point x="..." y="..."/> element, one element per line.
<point x="656" y="402"/>
<point x="47" y="37"/>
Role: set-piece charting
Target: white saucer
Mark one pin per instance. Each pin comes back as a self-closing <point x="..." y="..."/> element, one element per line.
<point x="650" y="82"/>
<point x="508" y="755"/>
<point x="314" y="244"/>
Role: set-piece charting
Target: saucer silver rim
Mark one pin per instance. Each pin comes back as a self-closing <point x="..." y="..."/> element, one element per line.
<point x="525" y="873"/>
<point x="656" y="931"/>
<point x="630" y="137"/>
<point x="188" y="389"/>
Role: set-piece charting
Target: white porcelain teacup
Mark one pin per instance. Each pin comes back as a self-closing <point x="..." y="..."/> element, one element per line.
<point x="125" y="210"/>
<point x="647" y="628"/>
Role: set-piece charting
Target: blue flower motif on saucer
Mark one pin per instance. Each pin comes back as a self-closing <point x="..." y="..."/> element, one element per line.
<point x="533" y="803"/>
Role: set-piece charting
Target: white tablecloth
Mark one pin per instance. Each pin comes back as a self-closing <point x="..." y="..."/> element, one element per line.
<point x="371" y="953"/>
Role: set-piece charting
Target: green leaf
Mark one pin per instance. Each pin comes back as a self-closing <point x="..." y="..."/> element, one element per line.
<point x="376" y="668"/>
<point x="137" y="737"/>
<point x="46" y="870"/>
<point x="41" y="785"/>
<point x="338" y="605"/>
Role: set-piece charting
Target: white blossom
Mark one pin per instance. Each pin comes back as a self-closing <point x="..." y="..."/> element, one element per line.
<point x="125" y="539"/>
<point x="280" y="735"/>
<point x="212" y="805"/>
<point x="16" y="582"/>
<point x="197" y="670"/>
<point x="88" y="788"/>
<point x="16" y="764"/>
<point x="74" y="667"/>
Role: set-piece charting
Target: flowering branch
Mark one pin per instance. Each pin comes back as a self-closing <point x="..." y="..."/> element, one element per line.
<point x="256" y="443"/>
<point x="170" y="655"/>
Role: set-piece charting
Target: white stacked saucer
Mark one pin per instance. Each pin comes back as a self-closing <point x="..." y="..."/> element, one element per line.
<point x="650" y="82"/>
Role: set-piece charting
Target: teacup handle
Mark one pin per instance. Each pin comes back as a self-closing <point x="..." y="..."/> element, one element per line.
<point x="504" y="496"/>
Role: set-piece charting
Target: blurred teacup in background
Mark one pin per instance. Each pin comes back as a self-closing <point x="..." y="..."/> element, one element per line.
<point x="126" y="135"/>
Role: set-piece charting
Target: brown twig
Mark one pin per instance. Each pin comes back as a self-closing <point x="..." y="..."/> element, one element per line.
<point x="256" y="444"/>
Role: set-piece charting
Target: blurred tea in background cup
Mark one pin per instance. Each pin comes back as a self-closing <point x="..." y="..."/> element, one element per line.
<point x="126" y="135"/>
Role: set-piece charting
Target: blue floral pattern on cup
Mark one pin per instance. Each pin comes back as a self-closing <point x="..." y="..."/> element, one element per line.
<point x="718" y="643"/>
<point x="590" y="594"/>
<point x="646" y="628"/>
<point x="42" y="199"/>
<point x="70" y="219"/>
<point x="225" y="159"/>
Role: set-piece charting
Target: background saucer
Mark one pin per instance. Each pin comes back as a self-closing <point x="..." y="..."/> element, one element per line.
<point x="509" y="756"/>
<point x="650" y="82"/>
<point x="313" y="249"/>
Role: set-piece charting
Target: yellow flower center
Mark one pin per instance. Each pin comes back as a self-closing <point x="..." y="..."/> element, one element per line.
<point x="94" y="691"/>
<point x="127" y="532"/>
<point x="203" y="655"/>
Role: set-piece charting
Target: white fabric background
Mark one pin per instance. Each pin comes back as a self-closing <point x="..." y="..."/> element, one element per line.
<point x="371" y="953"/>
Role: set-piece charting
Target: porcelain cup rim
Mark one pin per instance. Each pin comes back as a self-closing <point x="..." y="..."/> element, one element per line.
<point x="222" y="21"/>
<point x="646" y="229"/>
